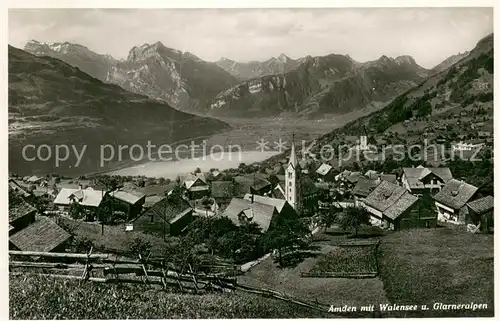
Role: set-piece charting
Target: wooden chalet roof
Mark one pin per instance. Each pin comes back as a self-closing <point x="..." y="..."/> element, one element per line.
<point x="390" y="199"/>
<point x="44" y="235"/>
<point x="240" y="210"/>
<point x="482" y="205"/>
<point x="19" y="210"/>
<point x="169" y="208"/>
<point x="364" y="187"/>
<point x="455" y="194"/>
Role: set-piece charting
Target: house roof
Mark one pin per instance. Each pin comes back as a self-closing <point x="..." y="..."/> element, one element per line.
<point x="243" y="183"/>
<point x="34" y="179"/>
<point x="414" y="176"/>
<point x="354" y="177"/>
<point x="371" y="174"/>
<point x="455" y="194"/>
<point x="169" y="208"/>
<point x="256" y="212"/>
<point x="401" y="205"/>
<point x="19" y="210"/>
<point x="384" y="196"/>
<point x="189" y="179"/>
<point x="222" y="189"/>
<point x="127" y="197"/>
<point x="15" y="186"/>
<point x="364" y="187"/>
<point x="276" y="202"/>
<point x="44" y="235"/>
<point x="482" y="205"/>
<point x="152" y="200"/>
<point x="324" y="169"/>
<point x="86" y="197"/>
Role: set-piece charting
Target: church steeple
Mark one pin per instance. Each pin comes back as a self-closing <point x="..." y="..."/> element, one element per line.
<point x="292" y="179"/>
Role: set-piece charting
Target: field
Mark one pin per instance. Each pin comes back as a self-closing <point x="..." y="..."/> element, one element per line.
<point x="446" y="265"/>
<point x="347" y="259"/>
<point x="36" y="297"/>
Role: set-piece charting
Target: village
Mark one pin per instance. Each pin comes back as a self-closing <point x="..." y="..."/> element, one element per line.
<point x="249" y="216"/>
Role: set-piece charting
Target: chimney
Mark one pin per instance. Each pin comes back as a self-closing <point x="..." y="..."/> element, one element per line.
<point x="251" y="199"/>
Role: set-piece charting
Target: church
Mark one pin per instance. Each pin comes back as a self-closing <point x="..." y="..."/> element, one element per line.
<point x="300" y="191"/>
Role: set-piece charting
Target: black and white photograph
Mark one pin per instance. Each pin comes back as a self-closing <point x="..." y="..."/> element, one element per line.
<point x="250" y="162"/>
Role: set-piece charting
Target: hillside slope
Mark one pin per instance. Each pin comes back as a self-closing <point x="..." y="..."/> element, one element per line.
<point x="51" y="102"/>
<point x="86" y="60"/>
<point x="333" y="84"/>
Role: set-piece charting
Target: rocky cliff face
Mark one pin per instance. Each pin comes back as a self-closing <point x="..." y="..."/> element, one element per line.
<point x="255" y="69"/>
<point x="448" y="62"/>
<point x="181" y="79"/>
<point x="333" y="84"/>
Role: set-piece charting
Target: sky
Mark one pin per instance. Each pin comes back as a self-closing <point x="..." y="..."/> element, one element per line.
<point x="429" y="35"/>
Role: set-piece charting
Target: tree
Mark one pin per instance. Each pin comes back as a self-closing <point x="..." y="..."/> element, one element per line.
<point x="353" y="217"/>
<point x="326" y="219"/>
<point x="75" y="210"/>
<point x="140" y="246"/>
<point x="288" y="235"/>
<point x="197" y="170"/>
<point x="207" y="203"/>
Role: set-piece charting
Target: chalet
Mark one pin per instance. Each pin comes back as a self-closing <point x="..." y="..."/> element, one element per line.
<point x="34" y="180"/>
<point x="152" y="200"/>
<point x="128" y="202"/>
<point x="352" y="179"/>
<point x="21" y="215"/>
<point x="169" y="216"/>
<point x="253" y="183"/>
<point x="363" y="188"/>
<point x="15" y="186"/>
<point x="43" y="235"/>
<point x="195" y="185"/>
<point x="451" y="200"/>
<point x="420" y="179"/>
<point x="279" y="190"/>
<point x="393" y="207"/>
<point x="283" y="207"/>
<point x="484" y="134"/>
<point x="325" y="172"/>
<point x="480" y="214"/>
<point x="89" y="199"/>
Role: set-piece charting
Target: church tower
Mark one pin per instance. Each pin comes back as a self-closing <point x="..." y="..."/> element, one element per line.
<point x="292" y="180"/>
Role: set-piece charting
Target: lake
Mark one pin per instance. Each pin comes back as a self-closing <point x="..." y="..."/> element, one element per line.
<point x="171" y="169"/>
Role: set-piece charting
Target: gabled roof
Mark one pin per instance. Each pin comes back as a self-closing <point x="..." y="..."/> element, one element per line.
<point x="364" y="187"/>
<point x="324" y="169"/>
<point x="127" y="197"/>
<point x="243" y="183"/>
<point x="240" y="210"/>
<point x="384" y="196"/>
<point x="86" y="197"/>
<point x="414" y="176"/>
<point x="19" y="210"/>
<point x="276" y="202"/>
<point x="169" y="208"/>
<point x="44" y="235"/>
<point x="152" y="200"/>
<point x="401" y="205"/>
<point x="455" y="194"/>
<point x="354" y="177"/>
<point x="371" y="174"/>
<point x="482" y="205"/>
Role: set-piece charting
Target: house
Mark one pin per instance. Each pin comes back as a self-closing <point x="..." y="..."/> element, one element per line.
<point x="169" y="216"/>
<point x="420" y="179"/>
<point x="341" y="176"/>
<point x="152" y="200"/>
<point x="89" y="199"/>
<point x="363" y="188"/>
<point x="241" y="211"/>
<point x="282" y="206"/>
<point x="21" y="215"/>
<point x="14" y="185"/>
<point x="34" y="180"/>
<point x="451" y="200"/>
<point x="484" y="134"/>
<point x="128" y="202"/>
<point x="325" y="172"/>
<point x="393" y="207"/>
<point x="480" y="214"/>
<point x="196" y="185"/>
<point x="253" y="183"/>
<point x="461" y="146"/>
<point x="279" y="190"/>
<point x="43" y="235"/>
<point x="352" y="179"/>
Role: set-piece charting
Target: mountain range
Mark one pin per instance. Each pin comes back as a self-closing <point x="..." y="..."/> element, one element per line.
<point x="308" y="86"/>
<point x="52" y="102"/>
